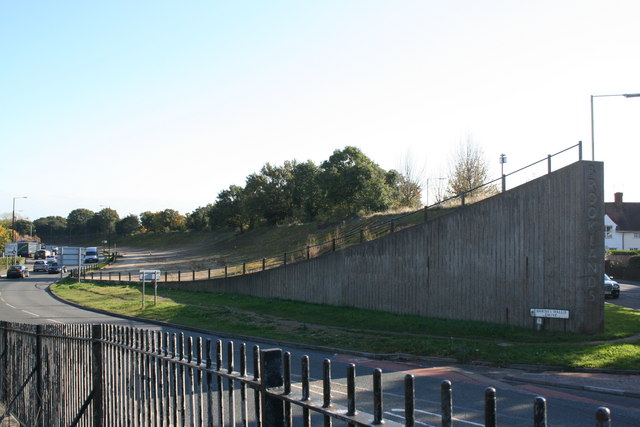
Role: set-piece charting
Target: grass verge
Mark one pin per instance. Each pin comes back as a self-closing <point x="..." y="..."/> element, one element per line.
<point x="371" y="331"/>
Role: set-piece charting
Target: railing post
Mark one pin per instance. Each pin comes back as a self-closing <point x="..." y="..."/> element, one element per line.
<point x="579" y="150"/>
<point x="166" y="276"/>
<point x="209" y="273"/>
<point x="96" y="374"/>
<point x="284" y="259"/>
<point x="308" y="252"/>
<point x="39" y="379"/>
<point x="179" y="273"/>
<point x="540" y="412"/>
<point x="603" y="417"/>
<point x="333" y="245"/>
<point x="378" y="409"/>
<point x="193" y="275"/>
<point x="271" y="371"/>
<point x="226" y="272"/>
<point x="264" y="264"/>
<point x="446" y="403"/>
<point x="549" y="162"/>
<point x="462" y="198"/>
<point x="361" y="236"/>
<point x="244" y="268"/>
<point x="490" y="419"/>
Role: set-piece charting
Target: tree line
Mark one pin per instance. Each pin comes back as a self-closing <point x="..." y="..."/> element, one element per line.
<point x="348" y="183"/>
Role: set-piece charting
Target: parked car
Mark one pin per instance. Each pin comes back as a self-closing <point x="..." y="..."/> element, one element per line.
<point x="17" y="272"/>
<point x="611" y="287"/>
<point x="40" y="265"/>
<point x="54" y="267"/>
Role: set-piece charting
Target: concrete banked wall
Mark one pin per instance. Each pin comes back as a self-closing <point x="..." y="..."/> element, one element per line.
<point x="539" y="245"/>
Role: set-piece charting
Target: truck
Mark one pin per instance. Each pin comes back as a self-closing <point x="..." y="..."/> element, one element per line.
<point x="42" y="254"/>
<point x="91" y="255"/>
<point x="28" y="249"/>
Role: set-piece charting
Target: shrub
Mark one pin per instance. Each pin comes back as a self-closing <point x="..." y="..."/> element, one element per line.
<point x="634" y="261"/>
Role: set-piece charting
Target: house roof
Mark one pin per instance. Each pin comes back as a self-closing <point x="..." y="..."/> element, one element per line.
<point x="625" y="215"/>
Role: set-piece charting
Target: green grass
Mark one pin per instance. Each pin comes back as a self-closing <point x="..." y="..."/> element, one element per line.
<point x="370" y="331"/>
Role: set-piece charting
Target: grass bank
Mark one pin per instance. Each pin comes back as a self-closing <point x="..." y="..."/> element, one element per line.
<point x="371" y="331"/>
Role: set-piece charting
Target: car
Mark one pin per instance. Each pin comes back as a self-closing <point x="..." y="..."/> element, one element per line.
<point x="51" y="259"/>
<point x="40" y="265"/>
<point x="17" y="272"/>
<point x="611" y="287"/>
<point x="54" y="267"/>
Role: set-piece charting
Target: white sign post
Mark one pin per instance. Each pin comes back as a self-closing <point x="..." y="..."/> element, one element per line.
<point x="150" y="275"/>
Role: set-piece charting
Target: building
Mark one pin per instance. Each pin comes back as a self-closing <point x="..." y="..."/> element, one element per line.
<point x="621" y="224"/>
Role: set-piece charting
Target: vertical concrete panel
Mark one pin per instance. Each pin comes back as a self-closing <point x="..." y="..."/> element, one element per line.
<point x="538" y="245"/>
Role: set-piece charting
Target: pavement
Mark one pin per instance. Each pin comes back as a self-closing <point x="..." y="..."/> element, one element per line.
<point x="618" y="384"/>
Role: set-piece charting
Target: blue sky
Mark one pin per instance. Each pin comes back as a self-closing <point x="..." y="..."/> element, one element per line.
<point x="149" y="105"/>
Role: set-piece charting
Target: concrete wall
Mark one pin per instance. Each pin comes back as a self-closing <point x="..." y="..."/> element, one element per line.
<point x="537" y="246"/>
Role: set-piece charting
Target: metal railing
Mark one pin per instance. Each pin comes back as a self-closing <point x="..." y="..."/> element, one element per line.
<point x="342" y="238"/>
<point x="108" y="375"/>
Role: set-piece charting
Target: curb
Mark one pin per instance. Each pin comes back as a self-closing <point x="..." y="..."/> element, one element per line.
<point x="613" y="391"/>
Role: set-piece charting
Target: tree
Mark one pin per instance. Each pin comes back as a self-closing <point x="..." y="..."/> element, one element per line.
<point x="78" y="220"/>
<point x="228" y="210"/>
<point x="50" y="226"/>
<point x="104" y="221"/>
<point x="268" y="194"/>
<point x="24" y="227"/>
<point x="307" y="197"/>
<point x="352" y="183"/>
<point x="469" y="171"/>
<point x="128" y="225"/>
<point x="170" y="220"/>
<point x="409" y="183"/>
<point x="198" y="220"/>
<point x="5" y="236"/>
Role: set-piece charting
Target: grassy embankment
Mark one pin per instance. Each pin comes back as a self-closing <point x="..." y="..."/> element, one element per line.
<point x="369" y="331"/>
<point x="350" y="328"/>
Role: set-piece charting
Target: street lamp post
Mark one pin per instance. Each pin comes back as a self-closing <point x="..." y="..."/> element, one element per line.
<point x="626" y="95"/>
<point x="503" y="160"/>
<point x="13" y="220"/>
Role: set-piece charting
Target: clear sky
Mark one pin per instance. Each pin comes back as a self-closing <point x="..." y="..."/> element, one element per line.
<point x="148" y="105"/>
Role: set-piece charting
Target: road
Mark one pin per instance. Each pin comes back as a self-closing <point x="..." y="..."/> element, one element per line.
<point x="26" y="300"/>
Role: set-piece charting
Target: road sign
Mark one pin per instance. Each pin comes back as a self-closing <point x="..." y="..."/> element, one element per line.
<point x="549" y="313"/>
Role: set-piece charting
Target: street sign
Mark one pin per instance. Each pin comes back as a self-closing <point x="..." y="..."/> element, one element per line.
<point x="549" y="313"/>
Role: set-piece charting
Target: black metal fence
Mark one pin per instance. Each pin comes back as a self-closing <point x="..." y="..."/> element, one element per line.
<point x="106" y="375"/>
<point x="343" y="238"/>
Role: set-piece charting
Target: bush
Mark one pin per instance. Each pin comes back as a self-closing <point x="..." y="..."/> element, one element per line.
<point x="634" y="261"/>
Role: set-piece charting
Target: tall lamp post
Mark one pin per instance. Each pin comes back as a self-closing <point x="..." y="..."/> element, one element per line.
<point x="13" y="220"/>
<point x="626" y="95"/>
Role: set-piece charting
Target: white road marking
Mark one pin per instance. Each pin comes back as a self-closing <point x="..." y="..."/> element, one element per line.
<point x="56" y="321"/>
<point x="10" y="305"/>
<point x="28" y="312"/>
<point x="391" y="414"/>
<point x="440" y="416"/>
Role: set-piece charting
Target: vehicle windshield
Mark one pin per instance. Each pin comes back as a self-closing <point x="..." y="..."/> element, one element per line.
<point x="606" y="277"/>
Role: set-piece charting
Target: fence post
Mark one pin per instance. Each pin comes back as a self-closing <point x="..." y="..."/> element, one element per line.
<point x="462" y="197"/>
<point x="225" y="272"/>
<point x="308" y="252"/>
<point x="603" y="417"/>
<point x="39" y="380"/>
<point x="193" y="275"/>
<point x="549" y="162"/>
<point x="5" y="363"/>
<point x="333" y="245"/>
<point x="244" y="268"/>
<point x="209" y="273"/>
<point x="96" y="374"/>
<point x="284" y="259"/>
<point x="179" y="275"/>
<point x="271" y="370"/>
<point x="579" y="150"/>
<point x="490" y="419"/>
<point x="540" y="412"/>
<point x="166" y="275"/>
<point x="264" y="264"/>
<point x="393" y="227"/>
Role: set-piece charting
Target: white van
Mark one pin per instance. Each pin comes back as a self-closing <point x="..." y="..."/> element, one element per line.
<point x="91" y="255"/>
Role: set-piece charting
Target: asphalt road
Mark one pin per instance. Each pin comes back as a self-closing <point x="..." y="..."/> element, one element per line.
<point x="26" y="300"/>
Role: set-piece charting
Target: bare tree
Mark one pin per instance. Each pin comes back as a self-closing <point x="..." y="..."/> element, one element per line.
<point x="469" y="171"/>
<point x="411" y="182"/>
